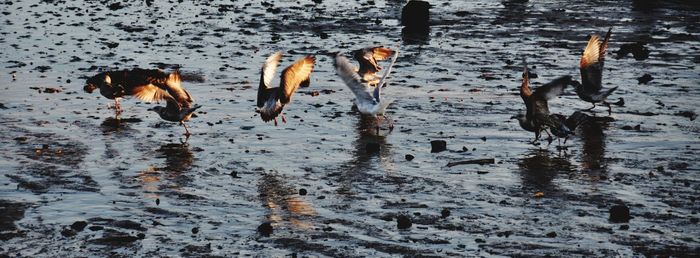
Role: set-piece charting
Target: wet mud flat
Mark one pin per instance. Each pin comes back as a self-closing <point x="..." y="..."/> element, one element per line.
<point x="74" y="181"/>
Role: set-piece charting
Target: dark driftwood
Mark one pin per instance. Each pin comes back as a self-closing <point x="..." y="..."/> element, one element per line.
<point x="472" y="161"/>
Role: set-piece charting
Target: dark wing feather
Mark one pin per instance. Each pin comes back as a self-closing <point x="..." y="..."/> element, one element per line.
<point x="591" y="64"/>
<point x="294" y="75"/>
<point x="267" y="73"/>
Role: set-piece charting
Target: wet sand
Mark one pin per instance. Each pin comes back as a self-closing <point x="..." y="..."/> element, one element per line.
<point x="75" y="181"/>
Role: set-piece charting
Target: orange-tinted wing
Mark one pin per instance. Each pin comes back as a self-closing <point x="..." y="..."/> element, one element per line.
<point x="591" y="54"/>
<point x="294" y="75"/>
<point x="382" y="53"/>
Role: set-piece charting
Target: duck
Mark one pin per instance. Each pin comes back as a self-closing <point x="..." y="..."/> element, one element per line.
<point x="136" y="82"/>
<point x="591" y="66"/>
<point x="537" y="117"/>
<point x="368" y="98"/>
<point x="367" y="58"/>
<point x="271" y="101"/>
<point x="179" y="103"/>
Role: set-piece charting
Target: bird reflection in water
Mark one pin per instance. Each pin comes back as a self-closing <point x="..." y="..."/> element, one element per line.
<point x="178" y="159"/>
<point x="593" y="159"/>
<point x="111" y="124"/>
<point x="540" y="167"/>
<point x="284" y="203"/>
<point x="368" y="149"/>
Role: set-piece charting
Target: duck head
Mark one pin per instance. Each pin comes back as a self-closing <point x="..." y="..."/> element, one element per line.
<point x="97" y="81"/>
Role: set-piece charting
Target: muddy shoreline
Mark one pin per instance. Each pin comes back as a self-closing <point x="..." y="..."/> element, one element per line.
<point x="75" y="181"/>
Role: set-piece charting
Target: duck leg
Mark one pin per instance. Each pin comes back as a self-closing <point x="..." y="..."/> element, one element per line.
<point x="609" y="107"/>
<point x="187" y="132"/>
<point x="275" y="121"/>
<point x="378" y="123"/>
<point x="284" y="119"/>
<point x="592" y="107"/>
<point x="391" y="123"/>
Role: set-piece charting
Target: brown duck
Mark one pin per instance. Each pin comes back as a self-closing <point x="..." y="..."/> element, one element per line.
<point x="537" y="118"/>
<point x="141" y="83"/>
<point x="271" y="101"/>
<point x="591" y="65"/>
<point x="368" y="57"/>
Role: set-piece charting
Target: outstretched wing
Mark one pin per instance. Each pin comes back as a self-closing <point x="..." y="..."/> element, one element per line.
<point x="537" y="107"/>
<point x="381" y="53"/>
<point x="552" y="89"/>
<point x="169" y="90"/>
<point x="592" y="61"/>
<point x="378" y="89"/>
<point x="347" y="72"/>
<point x="295" y="75"/>
<point x="267" y="73"/>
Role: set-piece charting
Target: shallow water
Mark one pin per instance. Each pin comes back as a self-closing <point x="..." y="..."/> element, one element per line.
<point x="140" y="191"/>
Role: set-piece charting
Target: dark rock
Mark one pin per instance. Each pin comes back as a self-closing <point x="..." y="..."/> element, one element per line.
<point x="96" y="228"/>
<point x="78" y="225"/>
<point x="415" y="15"/>
<point x="372" y="147"/>
<point x="689" y="114"/>
<point x="445" y="212"/>
<point x="403" y="221"/>
<point x="195" y="230"/>
<point x="619" y="214"/>
<point x="115" y="6"/>
<point x="552" y="234"/>
<point x="645" y="78"/>
<point x="624" y="227"/>
<point x="128" y="224"/>
<point x="638" y="50"/>
<point x="265" y="229"/>
<point x="438" y="146"/>
<point x="68" y="232"/>
<point x="409" y="157"/>
<point x="302" y="191"/>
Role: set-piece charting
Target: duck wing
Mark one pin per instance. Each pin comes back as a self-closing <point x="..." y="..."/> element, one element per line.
<point x="592" y="61"/>
<point x="378" y="89"/>
<point x="296" y="75"/>
<point x="346" y="71"/>
<point x="267" y="73"/>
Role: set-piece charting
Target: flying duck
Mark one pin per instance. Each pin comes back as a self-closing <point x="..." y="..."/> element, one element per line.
<point x="368" y="98"/>
<point x="179" y="103"/>
<point x="135" y="82"/>
<point x="591" y="65"/>
<point x="271" y="101"/>
<point x="368" y="57"/>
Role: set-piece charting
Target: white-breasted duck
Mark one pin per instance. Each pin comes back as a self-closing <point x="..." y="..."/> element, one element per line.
<point x="271" y="101"/>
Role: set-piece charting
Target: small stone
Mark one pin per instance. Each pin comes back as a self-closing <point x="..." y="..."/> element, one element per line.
<point x="619" y="214"/>
<point x="552" y="234"/>
<point x="78" y="225"/>
<point x="157" y="201"/>
<point x="195" y="230"/>
<point x="409" y="157"/>
<point x="302" y="191"/>
<point x="265" y="229"/>
<point x="438" y="146"/>
<point x="645" y="79"/>
<point x="445" y="213"/>
<point x="403" y="221"/>
<point x="624" y="227"/>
